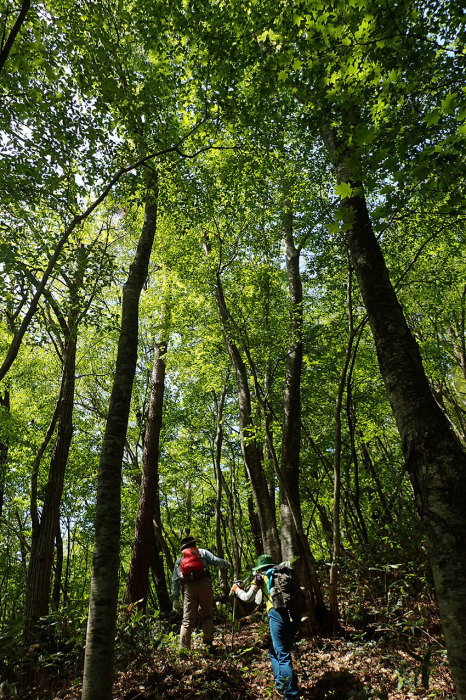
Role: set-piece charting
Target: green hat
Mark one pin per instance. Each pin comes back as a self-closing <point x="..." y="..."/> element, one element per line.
<point x="263" y="561"/>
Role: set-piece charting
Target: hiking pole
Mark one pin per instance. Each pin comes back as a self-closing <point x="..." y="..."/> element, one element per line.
<point x="233" y="622"/>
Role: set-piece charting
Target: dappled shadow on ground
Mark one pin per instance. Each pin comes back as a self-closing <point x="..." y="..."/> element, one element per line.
<point x="329" y="669"/>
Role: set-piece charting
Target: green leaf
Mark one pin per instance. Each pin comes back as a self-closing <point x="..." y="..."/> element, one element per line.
<point x="450" y="102"/>
<point x="273" y="36"/>
<point x="344" y="190"/>
<point x="433" y="117"/>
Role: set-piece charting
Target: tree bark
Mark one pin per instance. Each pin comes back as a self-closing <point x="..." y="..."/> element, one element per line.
<point x="98" y="663"/>
<point x="144" y="538"/>
<point x="435" y="460"/>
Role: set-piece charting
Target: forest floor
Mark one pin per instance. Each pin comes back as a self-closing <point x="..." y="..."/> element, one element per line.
<point x="328" y="668"/>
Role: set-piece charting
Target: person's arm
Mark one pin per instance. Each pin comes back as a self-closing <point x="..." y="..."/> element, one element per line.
<point x="246" y="596"/>
<point x="212" y="560"/>
<point x="176" y="580"/>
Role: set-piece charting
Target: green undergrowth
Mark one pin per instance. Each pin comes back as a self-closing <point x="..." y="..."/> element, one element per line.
<point x="388" y="613"/>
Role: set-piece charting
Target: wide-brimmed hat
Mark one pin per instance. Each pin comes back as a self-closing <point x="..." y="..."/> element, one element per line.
<point x="188" y="541"/>
<point x="263" y="561"/>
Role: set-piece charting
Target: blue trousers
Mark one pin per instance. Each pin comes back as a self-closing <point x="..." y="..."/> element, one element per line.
<point x="282" y="631"/>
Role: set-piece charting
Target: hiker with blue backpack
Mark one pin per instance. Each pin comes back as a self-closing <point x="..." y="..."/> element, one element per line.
<point x="277" y="586"/>
<point x="191" y="575"/>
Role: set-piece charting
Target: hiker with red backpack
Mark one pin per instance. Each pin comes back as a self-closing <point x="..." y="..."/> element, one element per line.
<point x="191" y="574"/>
<point x="277" y="586"/>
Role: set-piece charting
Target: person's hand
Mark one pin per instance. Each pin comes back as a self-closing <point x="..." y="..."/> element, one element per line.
<point x="233" y="589"/>
<point x="258" y="580"/>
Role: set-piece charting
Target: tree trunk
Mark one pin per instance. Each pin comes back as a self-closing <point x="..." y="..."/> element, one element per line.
<point x="369" y="464"/>
<point x="98" y="663"/>
<point x="10" y="39"/>
<point x="351" y="417"/>
<point x="251" y="451"/>
<point x="58" y="568"/>
<point x="5" y="405"/>
<point x="219" y="482"/>
<point x="255" y="527"/>
<point x="222" y="486"/>
<point x="435" y="460"/>
<point x="144" y="538"/>
<point x="336" y="545"/>
<point x="294" y="541"/>
<point x="158" y="575"/>
<point x="43" y="534"/>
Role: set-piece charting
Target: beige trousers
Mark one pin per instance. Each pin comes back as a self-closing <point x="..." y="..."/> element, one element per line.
<point x="197" y="594"/>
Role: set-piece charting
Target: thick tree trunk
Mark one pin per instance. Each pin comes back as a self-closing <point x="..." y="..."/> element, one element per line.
<point x="144" y="539"/>
<point x="434" y="457"/>
<point x="98" y="663"/>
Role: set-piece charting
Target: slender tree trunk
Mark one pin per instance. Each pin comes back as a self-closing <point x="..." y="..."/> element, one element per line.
<point x="58" y="568"/>
<point x="219" y="481"/>
<point x="38" y="584"/>
<point x="68" y="561"/>
<point x="10" y="40"/>
<point x="351" y="417"/>
<point x="144" y="538"/>
<point x="434" y="457"/>
<point x="98" y="663"/>
<point x="251" y="450"/>
<point x="158" y="575"/>
<point x="45" y="528"/>
<point x="294" y="541"/>
<point x="255" y="527"/>
<point x="369" y="464"/>
<point x="222" y="486"/>
<point x="4" y="405"/>
<point x="336" y="547"/>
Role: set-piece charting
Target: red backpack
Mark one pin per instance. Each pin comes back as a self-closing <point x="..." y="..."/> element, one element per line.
<point x="191" y="564"/>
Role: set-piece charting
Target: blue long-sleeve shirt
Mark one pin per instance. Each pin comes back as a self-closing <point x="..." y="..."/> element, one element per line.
<point x="208" y="559"/>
